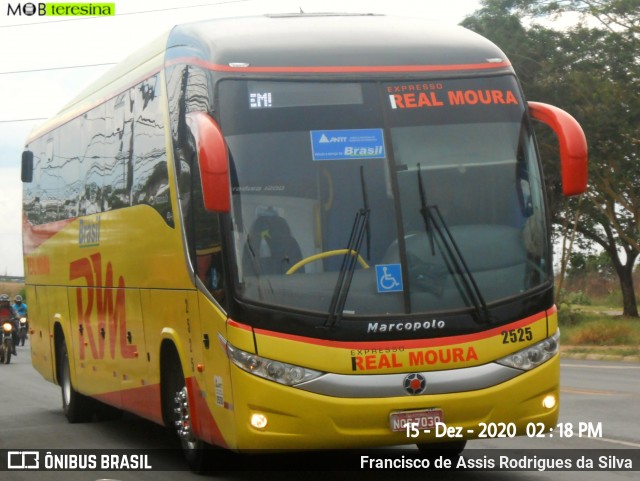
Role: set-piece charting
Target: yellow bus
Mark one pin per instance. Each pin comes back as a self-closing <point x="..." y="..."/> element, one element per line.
<point x="300" y="232"/>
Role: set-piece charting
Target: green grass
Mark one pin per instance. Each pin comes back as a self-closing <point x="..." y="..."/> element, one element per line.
<point x="591" y="334"/>
<point x="594" y="329"/>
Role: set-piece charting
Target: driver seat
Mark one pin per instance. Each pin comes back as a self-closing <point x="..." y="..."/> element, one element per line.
<point x="270" y="247"/>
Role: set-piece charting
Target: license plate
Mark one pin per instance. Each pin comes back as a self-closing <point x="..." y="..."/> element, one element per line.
<point x="425" y="419"/>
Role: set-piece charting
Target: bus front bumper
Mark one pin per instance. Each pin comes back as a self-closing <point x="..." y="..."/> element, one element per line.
<point x="294" y="419"/>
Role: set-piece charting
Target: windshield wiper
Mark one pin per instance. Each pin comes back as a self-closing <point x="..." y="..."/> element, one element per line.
<point x="424" y="210"/>
<point x="350" y="259"/>
<point x="433" y="221"/>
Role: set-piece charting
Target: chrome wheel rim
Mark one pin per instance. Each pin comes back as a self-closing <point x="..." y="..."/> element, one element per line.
<point x="183" y="419"/>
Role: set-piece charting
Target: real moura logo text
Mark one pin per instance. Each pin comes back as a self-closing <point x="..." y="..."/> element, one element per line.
<point x="451" y="98"/>
<point x="61" y="9"/>
<point x="419" y="358"/>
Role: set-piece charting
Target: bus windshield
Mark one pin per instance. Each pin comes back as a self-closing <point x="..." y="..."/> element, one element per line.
<point x="438" y="181"/>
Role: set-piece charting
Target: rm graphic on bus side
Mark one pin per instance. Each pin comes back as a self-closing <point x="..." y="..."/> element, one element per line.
<point x="97" y="301"/>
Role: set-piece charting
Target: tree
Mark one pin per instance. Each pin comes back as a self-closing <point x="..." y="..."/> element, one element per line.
<point x="591" y="264"/>
<point x="620" y="16"/>
<point x="593" y="71"/>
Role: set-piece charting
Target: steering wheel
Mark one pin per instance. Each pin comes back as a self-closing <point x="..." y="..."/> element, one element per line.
<point x="323" y="255"/>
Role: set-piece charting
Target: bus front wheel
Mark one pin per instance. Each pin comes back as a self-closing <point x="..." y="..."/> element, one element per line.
<point x="178" y="417"/>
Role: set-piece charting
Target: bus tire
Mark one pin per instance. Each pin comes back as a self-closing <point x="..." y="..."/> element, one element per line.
<point x="177" y="414"/>
<point x="449" y="450"/>
<point x="77" y="407"/>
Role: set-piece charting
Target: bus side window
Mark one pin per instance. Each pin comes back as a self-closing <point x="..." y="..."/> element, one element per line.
<point x="207" y="245"/>
<point x="202" y="226"/>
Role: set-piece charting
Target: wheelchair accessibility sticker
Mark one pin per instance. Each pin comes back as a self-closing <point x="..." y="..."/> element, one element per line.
<point x="389" y="277"/>
<point x="347" y="144"/>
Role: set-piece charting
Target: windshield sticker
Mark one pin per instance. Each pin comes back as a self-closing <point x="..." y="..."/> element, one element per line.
<point x="347" y="144"/>
<point x="389" y="278"/>
<point x="420" y="96"/>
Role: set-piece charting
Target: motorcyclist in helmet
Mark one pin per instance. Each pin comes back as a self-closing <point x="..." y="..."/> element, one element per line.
<point x="21" y="311"/>
<point x="19" y="306"/>
<point x="7" y="313"/>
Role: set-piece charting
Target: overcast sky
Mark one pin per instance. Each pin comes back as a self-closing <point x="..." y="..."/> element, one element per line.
<point x="43" y="45"/>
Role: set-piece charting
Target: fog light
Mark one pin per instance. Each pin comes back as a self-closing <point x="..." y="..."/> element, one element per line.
<point x="549" y="401"/>
<point x="259" y="421"/>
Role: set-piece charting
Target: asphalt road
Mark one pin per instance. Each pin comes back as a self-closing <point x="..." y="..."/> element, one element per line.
<point x="601" y="398"/>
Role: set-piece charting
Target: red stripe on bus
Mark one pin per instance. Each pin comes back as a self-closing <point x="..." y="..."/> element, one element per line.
<point x="244" y="327"/>
<point x="33" y="236"/>
<point x="406" y="343"/>
<point x="145" y="401"/>
<point x="338" y="68"/>
<point x="202" y="422"/>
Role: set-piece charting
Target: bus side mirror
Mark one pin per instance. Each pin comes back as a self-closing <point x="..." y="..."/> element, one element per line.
<point x="573" y="145"/>
<point x="213" y="160"/>
<point x="27" y="166"/>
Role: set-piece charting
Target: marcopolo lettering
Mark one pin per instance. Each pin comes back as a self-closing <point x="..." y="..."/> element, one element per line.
<point x="407" y="326"/>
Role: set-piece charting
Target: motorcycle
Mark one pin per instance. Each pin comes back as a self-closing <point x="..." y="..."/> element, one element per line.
<point x="23" y="328"/>
<point x="6" y="342"/>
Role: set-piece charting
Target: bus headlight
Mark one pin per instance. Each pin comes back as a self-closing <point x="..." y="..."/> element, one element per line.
<point x="533" y="356"/>
<point x="277" y="371"/>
